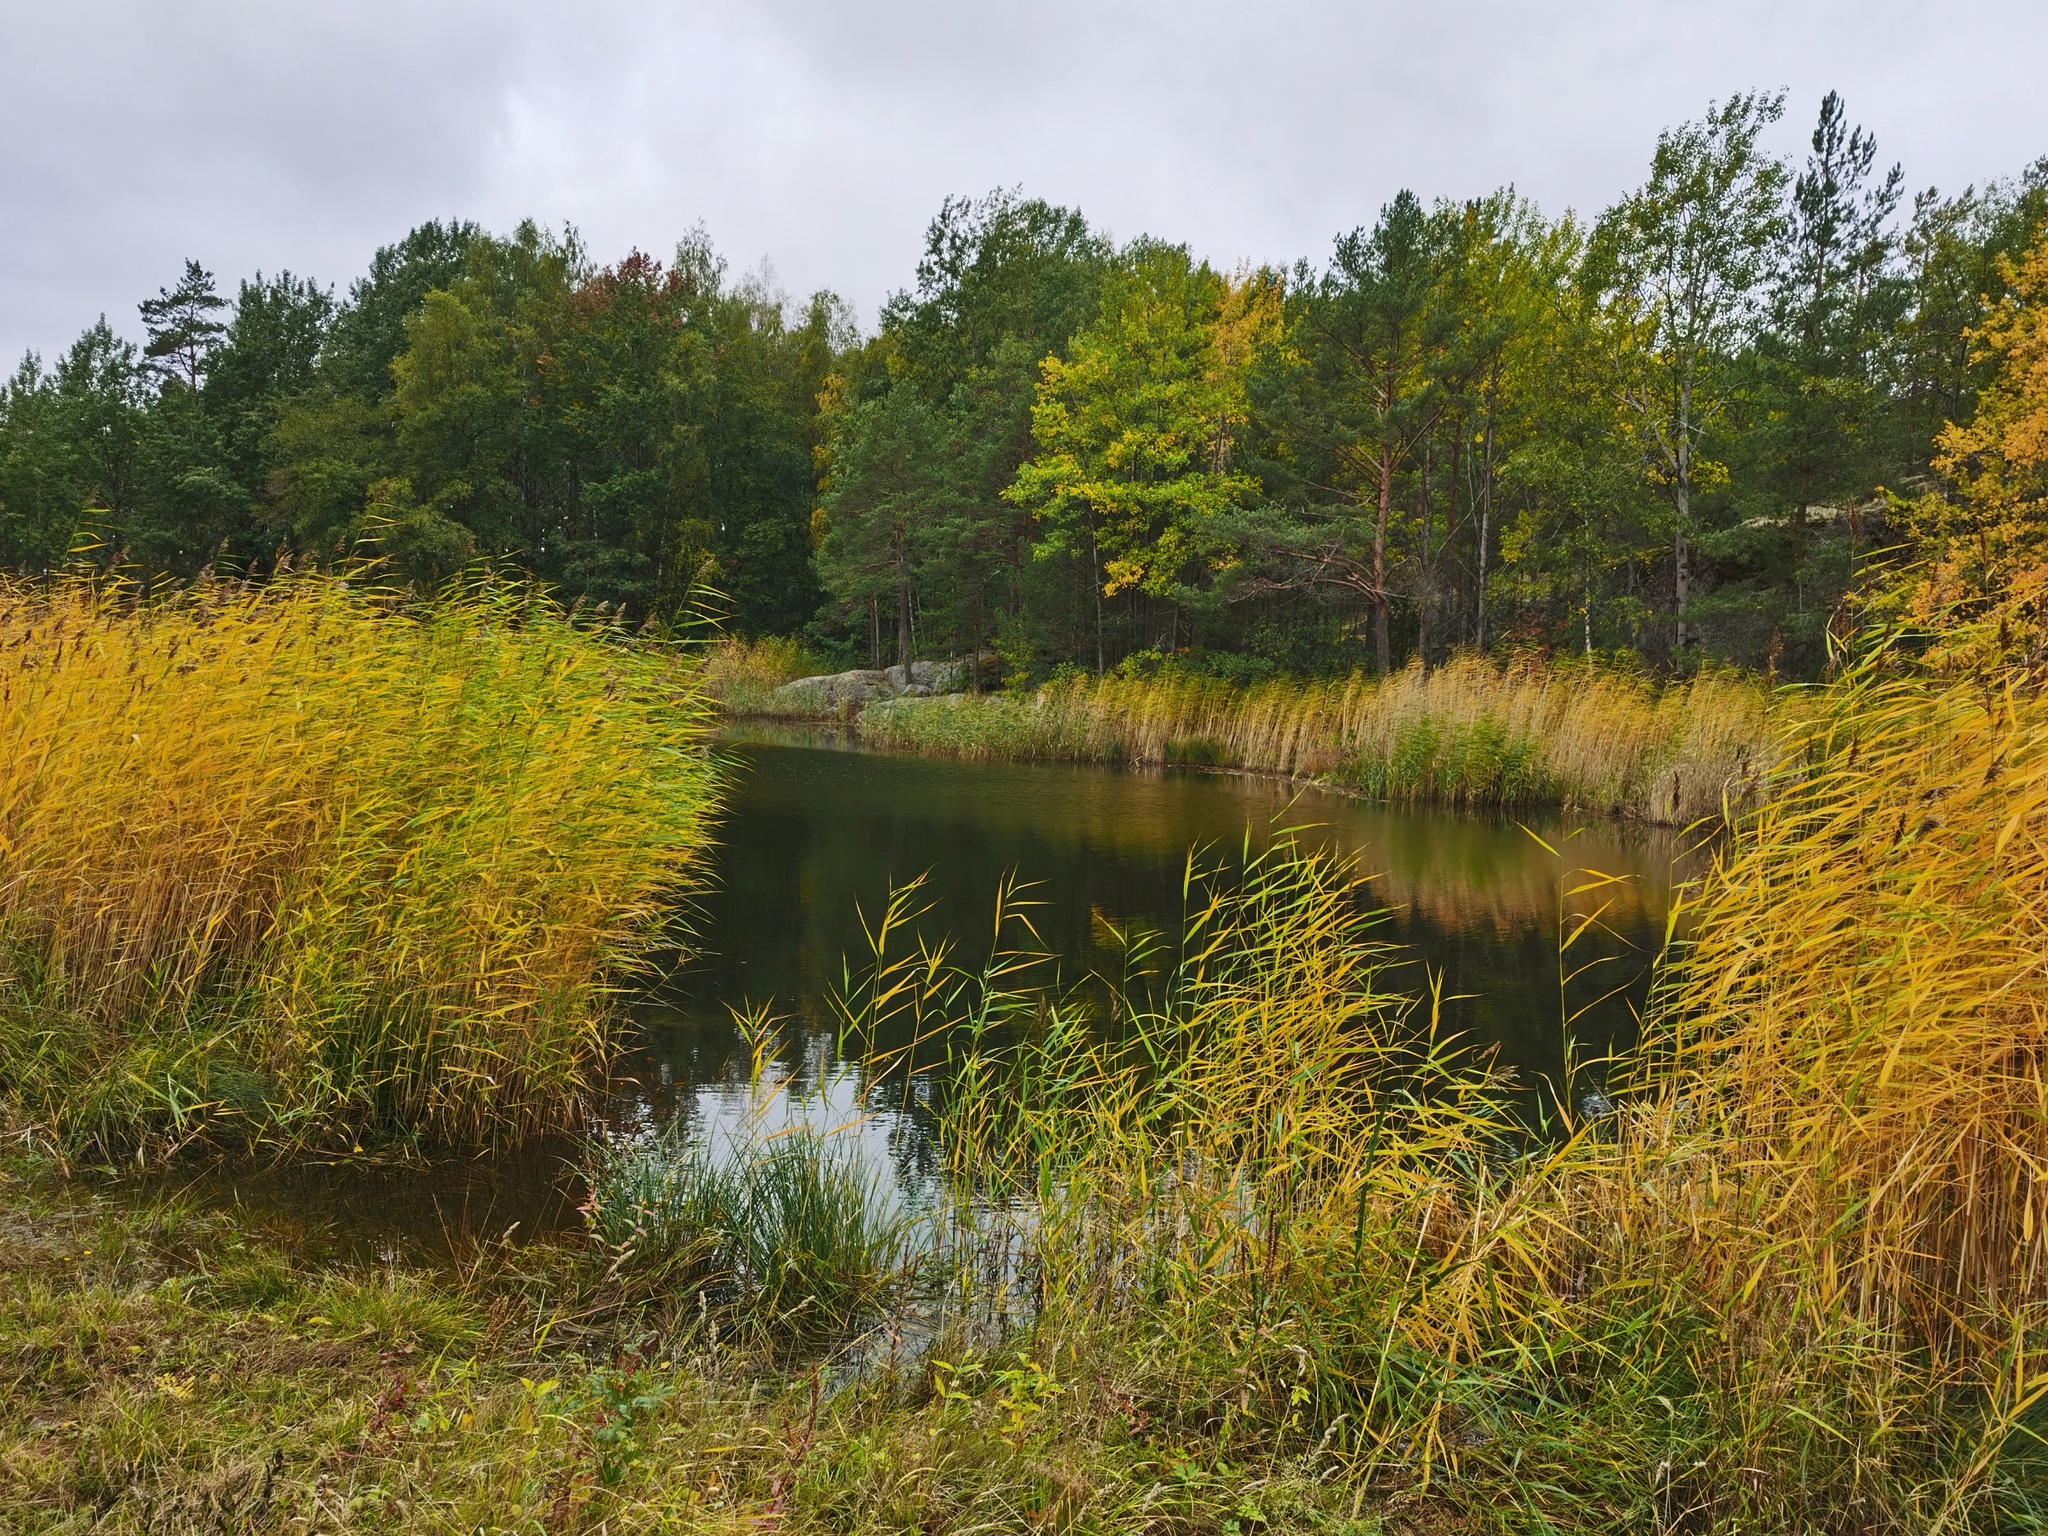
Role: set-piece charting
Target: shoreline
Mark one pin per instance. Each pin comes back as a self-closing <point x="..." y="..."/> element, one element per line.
<point x="1471" y="736"/>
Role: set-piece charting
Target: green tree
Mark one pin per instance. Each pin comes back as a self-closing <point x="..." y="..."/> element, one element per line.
<point x="1134" y="431"/>
<point x="1957" y="251"/>
<point x="266" y="358"/>
<point x="368" y="332"/>
<point x="69" y="460"/>
<point x="760" y="435"/>
<point x="182" y="330"/>
<point x="1352" y="397"/>
<point x="887" y="488"/>
<point x="336" y="436"/>
<point x="1578" y="522"/>
<point x="634" y="434"/>
<point x="1003" y="283"/>
<point x="1811" y="430"/>
<point x="67" y="448"/>
<point x="1679" y="264"/>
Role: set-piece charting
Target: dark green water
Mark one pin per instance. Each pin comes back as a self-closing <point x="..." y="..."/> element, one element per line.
<point x="816" y="834"/>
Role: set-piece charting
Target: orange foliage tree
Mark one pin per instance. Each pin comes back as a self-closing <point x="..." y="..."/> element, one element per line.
<point x="1983" y="581"/>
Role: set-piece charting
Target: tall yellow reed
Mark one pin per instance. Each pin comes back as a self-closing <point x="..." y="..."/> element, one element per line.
<point x="1470" y="732"/>
<point x="315" y="861"/>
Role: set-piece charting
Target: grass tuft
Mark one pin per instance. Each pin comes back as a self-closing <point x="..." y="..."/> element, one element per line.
<point x="790" y="1227"/>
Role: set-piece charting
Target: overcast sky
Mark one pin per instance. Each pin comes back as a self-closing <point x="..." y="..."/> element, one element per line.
<point x="820" y="135"/>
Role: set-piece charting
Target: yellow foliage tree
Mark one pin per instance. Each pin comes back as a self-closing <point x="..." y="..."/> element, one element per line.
<point x="1983" y="581"/>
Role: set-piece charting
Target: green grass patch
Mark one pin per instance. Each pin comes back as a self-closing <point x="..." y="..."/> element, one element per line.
<point x="792" y="1228"/>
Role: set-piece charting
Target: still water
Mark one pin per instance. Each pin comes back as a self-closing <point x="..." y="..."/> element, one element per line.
<point x="816" y="834"/>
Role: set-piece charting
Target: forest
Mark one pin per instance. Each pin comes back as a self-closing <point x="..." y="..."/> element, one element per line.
<point x="1669" y="435"/>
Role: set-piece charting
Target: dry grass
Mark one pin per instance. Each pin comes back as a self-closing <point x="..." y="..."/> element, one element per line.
<point x="1468" y="733"/>
<point x="311" y="862"/>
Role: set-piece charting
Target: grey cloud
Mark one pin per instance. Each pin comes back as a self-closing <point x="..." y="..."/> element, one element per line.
<point x="822" y="135"/>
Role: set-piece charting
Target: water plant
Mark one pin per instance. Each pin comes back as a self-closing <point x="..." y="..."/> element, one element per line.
<point x="312" y="862"/>
<point x="790" y="1227"/>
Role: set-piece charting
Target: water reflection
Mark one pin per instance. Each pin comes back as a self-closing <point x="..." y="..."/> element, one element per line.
<point x="817" y="833"/>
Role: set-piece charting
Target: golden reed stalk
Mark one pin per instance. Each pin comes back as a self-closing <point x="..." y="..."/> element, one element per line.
<point x="315" y="862"/>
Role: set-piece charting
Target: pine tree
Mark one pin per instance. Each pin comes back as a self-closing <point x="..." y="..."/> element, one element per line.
<point x="182" y="330"/>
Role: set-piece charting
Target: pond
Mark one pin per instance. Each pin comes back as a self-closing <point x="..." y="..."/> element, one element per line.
<point x="817" y="832"/>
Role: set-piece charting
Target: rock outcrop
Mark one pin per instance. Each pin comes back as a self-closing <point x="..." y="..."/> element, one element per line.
<point x="842" y="692"/>
<point x="831" y="695"/>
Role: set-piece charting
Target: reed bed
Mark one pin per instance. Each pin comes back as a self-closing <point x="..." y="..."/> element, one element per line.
<point x="1473" y="733"/>
<point x="1788" y="1271"/>
<point x="310" y="863"/>
<point x="1244" y="1241"/>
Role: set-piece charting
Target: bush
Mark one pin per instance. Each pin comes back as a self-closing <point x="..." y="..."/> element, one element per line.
<point x="742" y="674"/>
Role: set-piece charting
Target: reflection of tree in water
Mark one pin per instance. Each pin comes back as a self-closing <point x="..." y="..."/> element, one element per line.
<point x="815" y="840"/>
<point x="1464" y="876"/>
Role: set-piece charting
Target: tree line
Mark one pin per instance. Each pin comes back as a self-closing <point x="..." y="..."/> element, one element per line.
<point x="628" y="432"/>
<point x="1674" y="432"/>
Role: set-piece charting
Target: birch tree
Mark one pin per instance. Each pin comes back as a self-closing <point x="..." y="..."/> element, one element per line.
<point x="1679" y="265"/>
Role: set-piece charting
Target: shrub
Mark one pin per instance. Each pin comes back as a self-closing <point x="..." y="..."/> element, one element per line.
<point x="741" y="675"/>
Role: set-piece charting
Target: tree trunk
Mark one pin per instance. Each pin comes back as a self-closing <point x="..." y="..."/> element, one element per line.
<point x="874" y="634"/>
<point x="903" y="627"/>
<point x="1425" y="597"/>
<point x="1379" y="565"/>
<point x="1799" y="527"/>
<point x="1681" y="562"/>
<point x="974" y="661"/>
<point x="1485" y="520"/>
<point x="1095" y="581"/>
<point x="1681" y="498"/>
